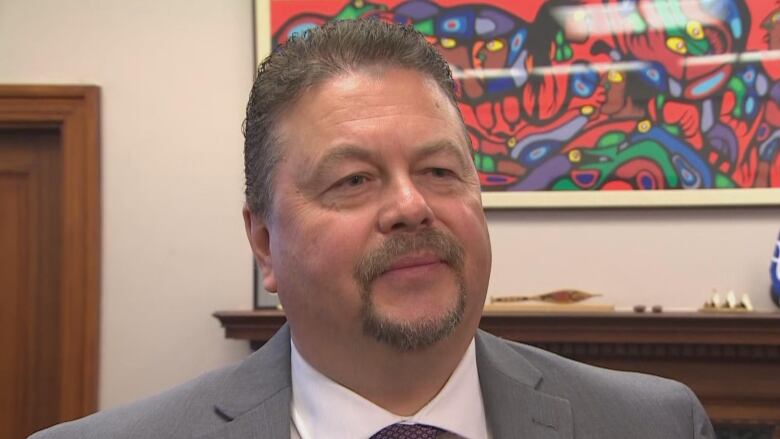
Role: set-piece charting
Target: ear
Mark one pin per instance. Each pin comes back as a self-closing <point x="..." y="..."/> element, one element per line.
<point x="260" y="240"/>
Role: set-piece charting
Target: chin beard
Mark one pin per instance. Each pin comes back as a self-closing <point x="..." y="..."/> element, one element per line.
<point x="414" y="335"/>
<point x="425" y="332"/>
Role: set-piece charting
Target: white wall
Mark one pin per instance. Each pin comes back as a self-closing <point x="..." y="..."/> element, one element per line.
<point x="175" y="77"/>
<point x="671" y="257"/>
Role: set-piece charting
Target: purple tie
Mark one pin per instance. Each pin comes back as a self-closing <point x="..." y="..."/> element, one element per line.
<point x="407" y="431"/>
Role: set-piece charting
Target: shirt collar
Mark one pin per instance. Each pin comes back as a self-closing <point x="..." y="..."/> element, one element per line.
<point x="457" y="408"/>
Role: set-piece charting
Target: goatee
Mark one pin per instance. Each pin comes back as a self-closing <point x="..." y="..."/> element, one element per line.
<point x="417" y="335"/>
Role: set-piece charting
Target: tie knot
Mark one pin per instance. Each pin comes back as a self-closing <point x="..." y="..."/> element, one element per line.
<point x="407" y="431"/>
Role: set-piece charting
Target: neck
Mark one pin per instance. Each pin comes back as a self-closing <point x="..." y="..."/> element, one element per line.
<point x="401" y="383"/>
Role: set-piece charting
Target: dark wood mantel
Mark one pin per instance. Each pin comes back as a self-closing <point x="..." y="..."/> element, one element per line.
<point x="731" y="361"/>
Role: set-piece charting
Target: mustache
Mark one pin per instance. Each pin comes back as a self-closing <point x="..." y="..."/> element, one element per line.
<point x="379" y="260"/>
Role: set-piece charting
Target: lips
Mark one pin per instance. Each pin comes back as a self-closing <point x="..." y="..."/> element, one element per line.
<point x="413" y="261"/>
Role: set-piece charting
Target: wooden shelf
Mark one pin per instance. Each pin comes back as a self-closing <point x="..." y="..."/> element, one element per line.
<point x="731" y="361"/>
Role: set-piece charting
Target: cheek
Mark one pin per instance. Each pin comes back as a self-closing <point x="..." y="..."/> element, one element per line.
<point x="463" y="211"/>
<point x="478" y="258"/>
<point x="478" y="251"/>
<point x="475" y="234"/>
<point x="322" y="254"/>
<point x="466" y="220"/>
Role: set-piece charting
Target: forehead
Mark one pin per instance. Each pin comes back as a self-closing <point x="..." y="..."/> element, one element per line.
<point x="365" y="98"/>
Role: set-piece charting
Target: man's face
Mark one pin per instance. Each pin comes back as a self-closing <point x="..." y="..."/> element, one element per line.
<point x="376" y="228"/>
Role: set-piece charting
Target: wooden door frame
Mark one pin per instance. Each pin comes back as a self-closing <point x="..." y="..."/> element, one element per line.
<point x="74" y="111"/>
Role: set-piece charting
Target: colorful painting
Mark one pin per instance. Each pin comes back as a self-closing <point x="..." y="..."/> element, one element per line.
<point x="601" y="96"/>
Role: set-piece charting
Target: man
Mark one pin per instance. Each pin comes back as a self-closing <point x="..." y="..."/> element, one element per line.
<point x="364" y="214"/>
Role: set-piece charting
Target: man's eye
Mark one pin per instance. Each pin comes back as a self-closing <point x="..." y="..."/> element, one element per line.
<point x="441" y="172"/>
<point x="354" y="180"/>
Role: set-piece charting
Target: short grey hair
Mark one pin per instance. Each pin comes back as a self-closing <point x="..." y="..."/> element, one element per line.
<point x="311" y="58"/>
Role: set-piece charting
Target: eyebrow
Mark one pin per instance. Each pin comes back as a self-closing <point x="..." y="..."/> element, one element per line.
<point x="349" y="152"/>
<point x="331" y="160"/>
<point x="443" y="147"/>
<point x="336" y="156"/>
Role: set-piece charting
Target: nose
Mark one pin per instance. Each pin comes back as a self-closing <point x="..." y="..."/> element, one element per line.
<point x="404" y="208"/>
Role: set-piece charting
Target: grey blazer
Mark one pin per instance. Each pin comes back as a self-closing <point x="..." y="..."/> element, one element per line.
<point x="528" y="393"/>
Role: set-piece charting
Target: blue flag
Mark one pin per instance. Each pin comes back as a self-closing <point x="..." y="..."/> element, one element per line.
<point x="774" y="270"/>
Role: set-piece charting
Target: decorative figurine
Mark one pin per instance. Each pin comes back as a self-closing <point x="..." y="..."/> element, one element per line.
<point x="559" y="297"/>
<point x="731" y="300"/>
<point x="715" y="301"/>
<point x="730" y="304"/>
<point x="774" y="270"/>
<point x="746" y="303"/>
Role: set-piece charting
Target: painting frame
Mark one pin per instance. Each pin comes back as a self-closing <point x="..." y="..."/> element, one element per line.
<point x="666" y="198"/>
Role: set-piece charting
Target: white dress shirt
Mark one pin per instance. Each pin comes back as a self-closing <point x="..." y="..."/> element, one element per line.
<point x="322" y="408"/>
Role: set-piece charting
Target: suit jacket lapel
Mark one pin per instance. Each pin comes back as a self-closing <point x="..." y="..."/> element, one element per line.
<point x="255" y="400"/>
<point x="514" y="405"/>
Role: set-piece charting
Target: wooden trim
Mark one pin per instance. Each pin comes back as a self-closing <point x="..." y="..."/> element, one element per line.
<point x="74" y="110"/>
<point x="682" y="329"/>
<point x="730" y="360"/>
<point x="256" y="326"/>
<point x="637" y="328"/>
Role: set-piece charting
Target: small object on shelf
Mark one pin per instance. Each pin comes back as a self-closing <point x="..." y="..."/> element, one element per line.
<point x="745" y="303"/>
<point x="558" y="297"/>
<point x="731" y="300"/>
<point x="658" y="309"/>
<point x="639" y="308"/>
<point x="730" y="304"/>
<point x="557" y="301"/>
<point x="715" y="301"/>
